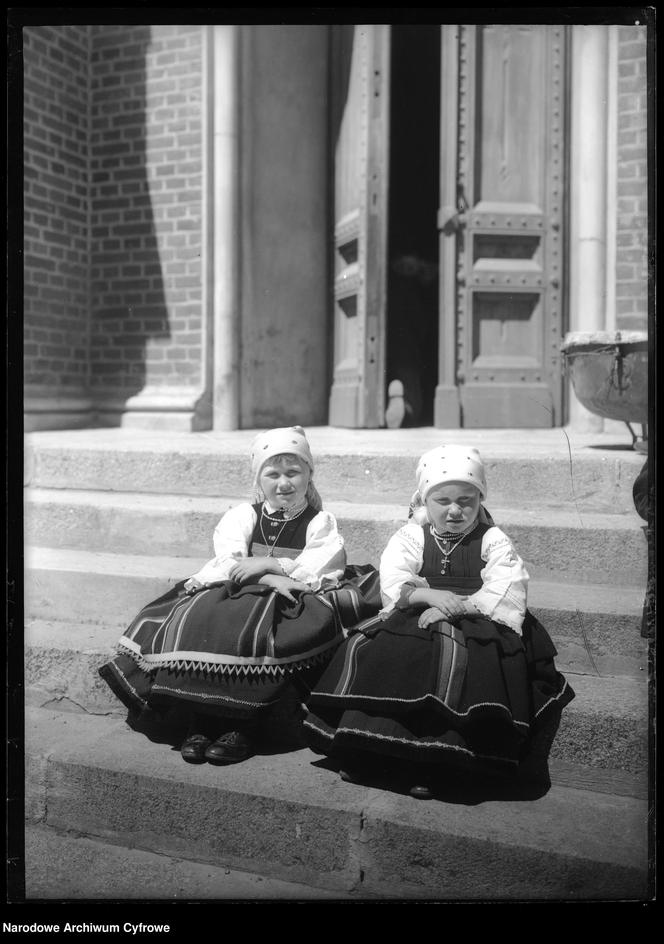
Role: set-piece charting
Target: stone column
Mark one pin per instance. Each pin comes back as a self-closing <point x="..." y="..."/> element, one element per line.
<point x="223" y="236"/>
<point x="285" y="232"/>
<point x="591" y="204"/>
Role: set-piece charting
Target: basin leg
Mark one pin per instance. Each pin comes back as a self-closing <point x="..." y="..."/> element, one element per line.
<point x="640" y="445"/>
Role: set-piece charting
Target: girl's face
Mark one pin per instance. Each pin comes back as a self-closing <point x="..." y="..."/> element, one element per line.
<point x="453" y="506"/>
<point x="284" y="481"/>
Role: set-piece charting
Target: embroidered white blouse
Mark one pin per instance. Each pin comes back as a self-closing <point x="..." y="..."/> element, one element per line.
<point x="503" y="594"/>
<point x="322" y="557"/>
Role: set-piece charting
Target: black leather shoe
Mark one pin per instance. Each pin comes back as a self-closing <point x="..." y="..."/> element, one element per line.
<point x="421" y="792"/>
<point x="194" y="747"/>
<point x="349" y="776"/>
<point x="230" y="748"/>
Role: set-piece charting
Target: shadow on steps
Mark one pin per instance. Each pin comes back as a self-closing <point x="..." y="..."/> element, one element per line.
<point x="449" y="785"/>
<point x="279" y="732"/>
<point x="467" y="783"/>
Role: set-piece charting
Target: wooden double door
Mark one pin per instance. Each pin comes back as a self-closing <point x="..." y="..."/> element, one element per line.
<point x="449" y="241"/>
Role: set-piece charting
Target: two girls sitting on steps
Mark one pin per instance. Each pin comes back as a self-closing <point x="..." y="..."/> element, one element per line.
<point x="453" y="671"/>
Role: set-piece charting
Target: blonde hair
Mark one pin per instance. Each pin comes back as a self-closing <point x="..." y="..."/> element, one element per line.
<point x="311" y="494"/>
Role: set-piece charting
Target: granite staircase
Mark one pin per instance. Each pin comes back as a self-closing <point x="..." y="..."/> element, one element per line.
<point x="113" y="517"/>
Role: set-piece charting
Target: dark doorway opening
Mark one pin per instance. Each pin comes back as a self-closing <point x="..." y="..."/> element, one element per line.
<point x="412" y="281"/>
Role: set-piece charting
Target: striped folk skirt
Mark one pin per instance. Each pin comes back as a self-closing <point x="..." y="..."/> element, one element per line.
<point x="474" y="691"/>
<point x="232" y="650"/>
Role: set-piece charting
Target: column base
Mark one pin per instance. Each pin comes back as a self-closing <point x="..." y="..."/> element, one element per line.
<point x="43" y="411"/>
<point x="187" y="409"/>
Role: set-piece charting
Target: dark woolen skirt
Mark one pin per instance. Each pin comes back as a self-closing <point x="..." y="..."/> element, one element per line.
<point x="471" y="691"/>
<point x="232" y="650"/>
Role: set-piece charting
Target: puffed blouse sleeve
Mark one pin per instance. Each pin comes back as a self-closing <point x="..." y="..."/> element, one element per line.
<point x="323" y="556"/>
<point x="231" y="540"/>
<point x="400" y="563"/>
<point x="503" y="595"/>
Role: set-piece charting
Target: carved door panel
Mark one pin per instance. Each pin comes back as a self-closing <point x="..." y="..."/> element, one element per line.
<point x="501" y="226"/>
<point x="360" y="119"/>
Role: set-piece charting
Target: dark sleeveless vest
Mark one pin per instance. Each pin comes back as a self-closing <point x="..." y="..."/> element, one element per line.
<point x="465" y="563"/>
<point x="291" y="535"/>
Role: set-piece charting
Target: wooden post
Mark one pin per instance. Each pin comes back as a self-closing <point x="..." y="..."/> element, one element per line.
<point x="447" y="411"/>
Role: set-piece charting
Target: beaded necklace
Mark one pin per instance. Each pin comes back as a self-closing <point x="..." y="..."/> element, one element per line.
<point x="268" y="516"/>
<point x="447" y="545"/>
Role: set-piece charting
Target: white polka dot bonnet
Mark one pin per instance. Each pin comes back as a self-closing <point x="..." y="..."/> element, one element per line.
<point x="450" y="464"/>
<point x="287" y="440"/>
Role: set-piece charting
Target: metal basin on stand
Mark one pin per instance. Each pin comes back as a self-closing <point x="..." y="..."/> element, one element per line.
<point x="609" y="373"/>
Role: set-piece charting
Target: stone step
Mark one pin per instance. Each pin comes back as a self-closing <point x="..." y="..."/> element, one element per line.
<point x="595" y="627"/>
<point x="595" y="547"/>
<point x="571" y="471"/>
<point x="606" y="725"/>
<point x="288" y="816"/>
<point x="101" y="871"/>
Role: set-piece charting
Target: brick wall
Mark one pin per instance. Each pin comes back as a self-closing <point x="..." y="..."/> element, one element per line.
<point x="631" y="224"/>
<point x="146" y="161"/>
<point x="56" y="299"/>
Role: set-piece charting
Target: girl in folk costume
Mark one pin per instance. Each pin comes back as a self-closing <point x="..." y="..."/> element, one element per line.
<point x="454" y="670"/>
<point x="272" y="603"/>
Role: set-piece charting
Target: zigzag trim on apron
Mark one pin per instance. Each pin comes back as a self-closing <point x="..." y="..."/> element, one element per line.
<point x="190" y="661"/>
